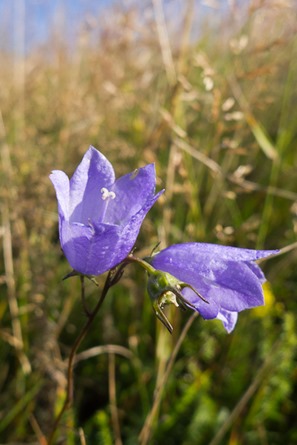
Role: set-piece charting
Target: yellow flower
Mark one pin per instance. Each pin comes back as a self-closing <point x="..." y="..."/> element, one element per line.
<point x="269" y="299"/>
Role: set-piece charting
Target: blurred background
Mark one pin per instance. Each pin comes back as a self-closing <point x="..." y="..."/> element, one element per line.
<point x="207" y="90"/>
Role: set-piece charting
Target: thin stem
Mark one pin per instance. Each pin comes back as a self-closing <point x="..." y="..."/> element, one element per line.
<point x="133" y="259"/>
<point x="69" y="394"/>
<point x="113" y="399"/>
<point x="145" y="433"/>
<point x="82" y="436"/>
<point x="164" y="41"/>
<point x="37" y="430"/>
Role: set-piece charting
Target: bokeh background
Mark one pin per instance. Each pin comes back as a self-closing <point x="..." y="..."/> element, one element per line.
<point x="207" y="91"/>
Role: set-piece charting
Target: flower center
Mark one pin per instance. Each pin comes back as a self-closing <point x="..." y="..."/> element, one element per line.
<point x="106" y="194"/>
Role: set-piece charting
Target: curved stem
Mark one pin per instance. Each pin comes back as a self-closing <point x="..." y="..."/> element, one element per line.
<point x="69" y="394"/>
<point x="144" y="264"/>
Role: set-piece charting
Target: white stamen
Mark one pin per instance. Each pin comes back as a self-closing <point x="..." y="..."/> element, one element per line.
<point x="106" y="194"/>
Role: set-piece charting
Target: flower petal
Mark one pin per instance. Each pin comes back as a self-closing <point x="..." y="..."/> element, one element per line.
<point x="131" y="230"/>
<point x="224" y="276"/>
<point x="257" y="271"/>
<point x="207" y="310"/>
<point x="90" y="250"/>
<point x="95" y="248"/>
<point x="202" y="250"/>
<point x="61" y="183"/>
<point x="234" y="288"/>
<point x="228" y="318"/>
<point x="239" y="288"/>
<point x="132" y="192"/>
<point x="93" y="173"/>
<point x="96" y="236"/>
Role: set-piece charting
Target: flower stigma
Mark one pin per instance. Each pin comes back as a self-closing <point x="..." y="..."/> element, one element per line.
<point x="106" y="194"/>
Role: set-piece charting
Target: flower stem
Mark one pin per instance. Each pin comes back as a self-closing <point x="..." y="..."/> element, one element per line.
<point x="91" y="315"/>
<point x="144" y="264"/>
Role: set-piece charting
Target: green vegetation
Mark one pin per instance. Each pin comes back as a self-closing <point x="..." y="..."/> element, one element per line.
<point x="218" y="116"/>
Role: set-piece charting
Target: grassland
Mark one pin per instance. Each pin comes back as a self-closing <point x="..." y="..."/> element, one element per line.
<point x="217" y="114"/>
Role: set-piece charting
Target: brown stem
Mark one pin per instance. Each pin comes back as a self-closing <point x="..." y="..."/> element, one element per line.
<point x="69" y="394"/>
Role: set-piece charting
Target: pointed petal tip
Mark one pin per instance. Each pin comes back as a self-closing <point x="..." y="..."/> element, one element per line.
<point x="54" y="173"/>
<point x="267" y="253"/>
<point x="229" y="319"/>
<point x="157" y="195"/>
<point x="94" y="150"/>
<point x="93" y="153"/>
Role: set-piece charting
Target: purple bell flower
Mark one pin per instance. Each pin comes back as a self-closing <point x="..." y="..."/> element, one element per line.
<point x="99" y="216"/>
<point x="222" y="280"/>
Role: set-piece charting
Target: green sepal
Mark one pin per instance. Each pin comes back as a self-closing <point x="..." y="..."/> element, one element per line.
<point x="163" y="288"/>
